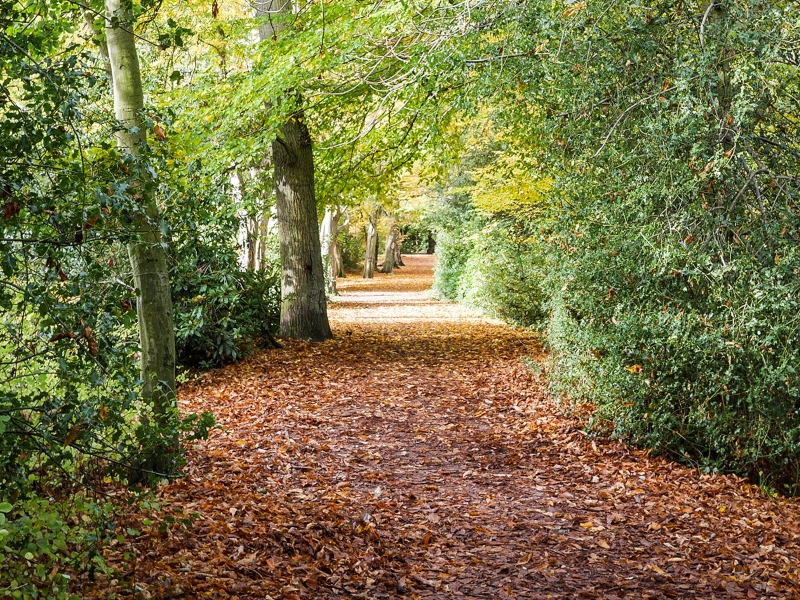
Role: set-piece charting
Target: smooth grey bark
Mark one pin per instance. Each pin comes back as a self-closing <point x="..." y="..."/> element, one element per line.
<point x="371" y="251"/>
<point x="254" y="226"/>
<point x="390" y="251"/>
<point x="329" y="238"/>
<point x="274" y="13"/>
<point x="147" y="254"/>
<point x="304" y="309"/>
<point x="398" y="250"/>
<point x="337" y="266"/>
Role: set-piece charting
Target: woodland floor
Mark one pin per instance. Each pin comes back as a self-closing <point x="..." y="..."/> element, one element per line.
<point x="417" y="456"/>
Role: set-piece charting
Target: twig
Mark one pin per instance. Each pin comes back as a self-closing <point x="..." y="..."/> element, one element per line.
<point x="703" y="24"/>
<point x="475" y="61"/>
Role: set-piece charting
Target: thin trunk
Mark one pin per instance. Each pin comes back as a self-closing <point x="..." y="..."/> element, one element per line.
<point x="252" y="243"/>
<point x="338" y="263"/>
<point x="304" y="308"/>
<point x="398" y="250"/>
<point x="147" y="255"/>
<point x="100" y="40"/>
<point x="263" y="232"/>
<point x="431" y="244"/>
<point x="248" y="224"/>
<point x="371" y="251"/>
<point x="274" y="14"/>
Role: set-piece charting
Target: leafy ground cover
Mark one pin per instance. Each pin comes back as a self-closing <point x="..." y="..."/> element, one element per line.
<point x="417" y="455"/>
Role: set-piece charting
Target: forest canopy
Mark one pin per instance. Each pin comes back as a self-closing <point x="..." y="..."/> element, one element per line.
<point x="625" y="179"/>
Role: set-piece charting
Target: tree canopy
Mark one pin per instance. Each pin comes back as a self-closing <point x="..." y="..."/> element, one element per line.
<point x="623" y="179"/>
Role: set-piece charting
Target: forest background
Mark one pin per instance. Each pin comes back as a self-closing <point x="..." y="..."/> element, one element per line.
<point x="622" y="177"/>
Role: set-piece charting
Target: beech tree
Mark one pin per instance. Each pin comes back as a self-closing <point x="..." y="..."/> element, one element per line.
<point x="329" y="237"/>
<point x="304" y="310"/>
<point x="390" y="256"/>
<point x="371" y="246"/>
<point x="148" y="252"/>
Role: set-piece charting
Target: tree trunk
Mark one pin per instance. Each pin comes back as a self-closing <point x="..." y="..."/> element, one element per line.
<point x="389" y="256"/>
<point x="398" y="250"/>
<point x="268" y="227"/>
<point x="329" y="238"/>
<point x="275" y="12"/>
<point x="304" y="310"/>
<point x="250" y="225"/>
<point x="147" y="255"/>
<point x="431" y="244"/>
<point x="337" y="265"/>
<point x="371" y="252"/>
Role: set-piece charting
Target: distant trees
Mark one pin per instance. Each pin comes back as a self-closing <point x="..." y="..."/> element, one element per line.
<point x="391" y="258"/>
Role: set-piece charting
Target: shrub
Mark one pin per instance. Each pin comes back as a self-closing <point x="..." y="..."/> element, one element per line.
<point x="221" y="312"/>
<point x="489" y="262"/>
<point x="673" y="278"/>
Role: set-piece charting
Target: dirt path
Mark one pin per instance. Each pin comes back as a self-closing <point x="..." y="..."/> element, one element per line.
<point x="416" y="456"/>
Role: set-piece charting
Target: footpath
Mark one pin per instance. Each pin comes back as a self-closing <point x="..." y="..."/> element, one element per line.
<point x="418" y="456"/>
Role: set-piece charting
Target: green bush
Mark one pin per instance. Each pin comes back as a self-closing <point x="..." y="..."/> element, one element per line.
<point x="351" y="246"/>
<point x="221" y="312"/>
<point x="680" y="354"/>
<point x="670" y="269"/>
<point x="489" y="262"/>
<point x="503" y="276"/>
<point x="673" y="266"/>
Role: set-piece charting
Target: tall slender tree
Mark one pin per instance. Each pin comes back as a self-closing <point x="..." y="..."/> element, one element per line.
<point x="329" y="237"/>
<point x="390" y="251"/>
<point x="147" y="253"/>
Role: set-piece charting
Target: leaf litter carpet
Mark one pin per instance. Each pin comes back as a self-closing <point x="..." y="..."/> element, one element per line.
<point x="417" y="456"/>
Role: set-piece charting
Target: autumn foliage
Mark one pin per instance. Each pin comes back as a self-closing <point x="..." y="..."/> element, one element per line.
<point x="417" y="456"/>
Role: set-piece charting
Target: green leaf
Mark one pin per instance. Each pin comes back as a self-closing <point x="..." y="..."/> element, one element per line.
<point x="5" y="507"/>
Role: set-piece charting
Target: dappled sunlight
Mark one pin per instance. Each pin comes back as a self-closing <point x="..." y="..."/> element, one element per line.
<point x="418" y="455"/>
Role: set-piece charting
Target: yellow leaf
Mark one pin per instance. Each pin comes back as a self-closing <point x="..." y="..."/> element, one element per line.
<point x="574" y="9"/>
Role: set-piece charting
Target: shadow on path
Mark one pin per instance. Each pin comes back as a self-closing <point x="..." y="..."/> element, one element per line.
<point x="416" y="456"/>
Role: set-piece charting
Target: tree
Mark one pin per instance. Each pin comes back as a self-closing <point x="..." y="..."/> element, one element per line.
<point x="390" y="260"/>
<point x="148" y="251"/>
<point x="329" y="237"/>
<point x="304" y="310"/>
<point x="371" y="249"/>
<point x="431" y="244"/>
